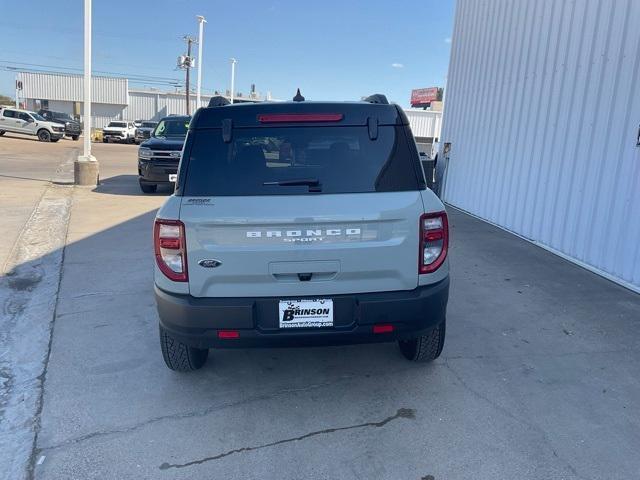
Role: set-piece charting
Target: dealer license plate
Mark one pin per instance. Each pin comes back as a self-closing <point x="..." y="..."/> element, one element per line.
<point x="306" y="313"/>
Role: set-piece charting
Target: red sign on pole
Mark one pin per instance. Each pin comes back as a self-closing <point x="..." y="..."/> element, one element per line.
<point x="422" y="96"/>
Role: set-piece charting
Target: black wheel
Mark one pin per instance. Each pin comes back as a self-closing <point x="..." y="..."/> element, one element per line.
<point x="75" y="137"/>
<point x="148" y="188"/>
<point x="424" y="348"/>
<point x="104" y="140"/>
<point x="44" y="135"/>
<point x="181" y="357"/>
<point x="1" y="132"/>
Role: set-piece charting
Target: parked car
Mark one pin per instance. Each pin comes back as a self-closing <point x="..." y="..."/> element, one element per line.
<point x="158" y="157"/>
<point x="143" y="132"/>
<point x="29" y="123"/>
<point x="72" y="128"/>
<point x="299" y="223"/>
<point x="119" y="131"/>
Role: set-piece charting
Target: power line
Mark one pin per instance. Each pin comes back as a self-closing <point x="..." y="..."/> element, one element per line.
<point x="119" y="74"/>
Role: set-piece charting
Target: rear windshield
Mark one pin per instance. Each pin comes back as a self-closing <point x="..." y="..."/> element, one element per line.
<point x="117" y="124"/>
<point x="299" y="160"/>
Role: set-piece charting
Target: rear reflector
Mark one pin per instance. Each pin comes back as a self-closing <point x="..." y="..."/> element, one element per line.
<point x="299" y="117"/>
<point x="382" y="328"/>
<point x="228" y="334"/>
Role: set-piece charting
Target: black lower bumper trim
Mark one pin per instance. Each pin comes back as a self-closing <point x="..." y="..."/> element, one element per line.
<point x="196" y="321"/>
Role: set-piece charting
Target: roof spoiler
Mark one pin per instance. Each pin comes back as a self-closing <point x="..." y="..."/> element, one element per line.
<point x="377" y="98"/>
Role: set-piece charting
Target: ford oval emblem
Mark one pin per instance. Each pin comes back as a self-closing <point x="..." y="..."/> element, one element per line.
<point x="209" y="263"/>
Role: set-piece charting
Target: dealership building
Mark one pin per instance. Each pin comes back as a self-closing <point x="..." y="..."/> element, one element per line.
<point x="541" y="132"/>
<point x="112" y="98"/>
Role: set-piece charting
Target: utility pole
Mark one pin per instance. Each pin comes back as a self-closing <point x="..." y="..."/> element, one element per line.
<point x="188" y="63"/>
<point x="201" y="22"/>
<point x="233" y="76"/>
<point x="85" y="168"/>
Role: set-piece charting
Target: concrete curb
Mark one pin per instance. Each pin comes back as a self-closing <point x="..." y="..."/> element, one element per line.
<point x="28" y="295"/>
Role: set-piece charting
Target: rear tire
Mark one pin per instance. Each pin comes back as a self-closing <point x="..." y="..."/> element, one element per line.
<point x="1" y="132"/>
<point x="424" y="348"/>
<point x="44" y="135"/>
<point x="148" y="188"/>
<point x="75" y="137"/>
<point x="180" y="357"/>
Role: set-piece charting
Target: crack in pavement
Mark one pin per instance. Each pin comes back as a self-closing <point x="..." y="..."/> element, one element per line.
<point x="408" y="413"/>
<point x="180" y="416"/>
<point x="210" y="409"/>
<point x="533" y="427"/>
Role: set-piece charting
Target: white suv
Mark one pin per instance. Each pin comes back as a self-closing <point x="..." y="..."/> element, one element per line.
<point x="29" y="123"/>
<point x="297" y="223"/>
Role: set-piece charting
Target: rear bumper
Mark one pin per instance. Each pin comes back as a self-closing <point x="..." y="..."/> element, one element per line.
<point x="196" y="321"/>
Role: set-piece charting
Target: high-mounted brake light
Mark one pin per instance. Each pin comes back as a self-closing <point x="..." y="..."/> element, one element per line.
<point x="434" y="241"/>
<point x="170" y="248"/>
<point x="299" y="117"/>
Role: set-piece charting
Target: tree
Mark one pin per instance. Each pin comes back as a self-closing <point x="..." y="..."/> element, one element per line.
<point x="4" y="100"/>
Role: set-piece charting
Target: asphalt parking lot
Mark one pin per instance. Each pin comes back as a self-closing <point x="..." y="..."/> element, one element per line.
<point x="538" y="378"/>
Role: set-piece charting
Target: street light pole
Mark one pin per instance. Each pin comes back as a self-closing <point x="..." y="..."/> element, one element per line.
<point x="86" y="167"/>
<point x="201" y="22"/>
<point x="233" y="77"/>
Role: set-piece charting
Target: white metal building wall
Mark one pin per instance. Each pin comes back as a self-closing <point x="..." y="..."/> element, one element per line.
<point x="65" y="87"/>
<point x="425" y="123"/>
<point x="543" y="112"/>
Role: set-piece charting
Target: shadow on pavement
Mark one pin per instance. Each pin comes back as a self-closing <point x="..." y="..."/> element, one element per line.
<point x="128" y="185"/>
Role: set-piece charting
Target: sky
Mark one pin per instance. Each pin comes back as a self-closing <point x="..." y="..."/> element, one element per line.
<point x="330" y="49"/>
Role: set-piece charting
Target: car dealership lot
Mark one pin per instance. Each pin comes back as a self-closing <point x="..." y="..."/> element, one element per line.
<point x="538" y="378"/>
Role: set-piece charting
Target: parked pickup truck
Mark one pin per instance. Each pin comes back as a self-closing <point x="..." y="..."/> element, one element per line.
<point x="29" y="123"/>
<point x="72" y="128"/>
<point x="119" y="131"/>
<point x="144" y="131"/>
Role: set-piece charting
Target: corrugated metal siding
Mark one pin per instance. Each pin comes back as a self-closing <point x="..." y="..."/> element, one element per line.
<point x="425" y="123"/>
<point x="542" y="111"/>
<point x="70" y="88"/>
<point x="153" y="106"/>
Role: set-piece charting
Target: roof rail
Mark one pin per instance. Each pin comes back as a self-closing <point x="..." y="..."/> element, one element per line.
<point x="377" y="98"/>
<point x="218" y="101"/>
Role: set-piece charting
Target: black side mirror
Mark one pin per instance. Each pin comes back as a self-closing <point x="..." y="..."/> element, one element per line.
<point x="30" y="120"/>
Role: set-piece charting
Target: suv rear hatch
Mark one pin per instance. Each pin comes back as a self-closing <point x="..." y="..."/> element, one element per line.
<point x="293" y="204"/>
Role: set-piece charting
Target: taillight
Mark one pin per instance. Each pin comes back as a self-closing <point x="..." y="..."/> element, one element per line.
<point x="170" y="246"/>
<point x="299" y="117"/>
<point x="434" y="241"/>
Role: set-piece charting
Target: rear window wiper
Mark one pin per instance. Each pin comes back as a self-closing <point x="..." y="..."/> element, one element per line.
<point x="312" y="183"/>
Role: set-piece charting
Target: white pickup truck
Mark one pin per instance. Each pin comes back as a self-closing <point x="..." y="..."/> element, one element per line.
<point x="29" y="123"/>
<point x="119" y="131"/>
